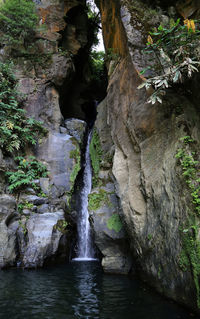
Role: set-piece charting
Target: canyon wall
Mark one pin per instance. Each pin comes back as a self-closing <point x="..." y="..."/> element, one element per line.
<point x="155" y="202"/>
<point x="36" y="226"/>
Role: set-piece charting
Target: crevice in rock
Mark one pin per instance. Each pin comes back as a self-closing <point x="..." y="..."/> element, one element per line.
<point x="80" y="92"/>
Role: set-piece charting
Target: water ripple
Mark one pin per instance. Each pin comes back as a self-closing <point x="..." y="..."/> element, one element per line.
<point x="79" y="291"/>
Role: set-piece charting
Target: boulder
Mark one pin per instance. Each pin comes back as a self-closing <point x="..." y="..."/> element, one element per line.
<point x="109" y="233"/>
<point x="42" y="238"/>
<point x="76" y="128"/>
<point x="7" y="233"/>
<point x="35" y="200"/>
<point x="61" y="152"/>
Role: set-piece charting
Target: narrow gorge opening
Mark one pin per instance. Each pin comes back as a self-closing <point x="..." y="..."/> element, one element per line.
<point x="79" y="97"/>
<point x="86" y="87"/>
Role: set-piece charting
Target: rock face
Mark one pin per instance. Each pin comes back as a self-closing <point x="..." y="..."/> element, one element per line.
<point x="7" y="233"/>
<point x="35" y="227"/>
<point x="57" y="152"/>
<point x="109" y="233"/>
<point x="43" y="238"/>
<point x="40" y="231"/>
<point x="153" y="197"/>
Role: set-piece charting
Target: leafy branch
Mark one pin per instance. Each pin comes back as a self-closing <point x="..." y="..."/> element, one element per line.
<point x="28" y="170"/>
<point x="175" y="49"/>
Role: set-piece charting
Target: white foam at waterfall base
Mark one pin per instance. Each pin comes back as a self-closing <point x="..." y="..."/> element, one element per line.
<point x="84" y="259"/>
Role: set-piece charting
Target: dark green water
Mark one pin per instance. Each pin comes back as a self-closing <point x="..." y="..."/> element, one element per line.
<point x="80" y="290"/>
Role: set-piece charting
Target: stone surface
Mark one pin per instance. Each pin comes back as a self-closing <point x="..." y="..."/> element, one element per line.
<point x="35" y="200"/>
<point x="7" y="234"/>
<point x="111" y="241"/>
<point x="43" y="238"/>
<point x="56" y="152"/>
<point x="117" y="265"/>
<point x="76" y="128"/>
<point x="45" y="185"/>
<point x="154" y="200"/>
<point x="40" y="80"/>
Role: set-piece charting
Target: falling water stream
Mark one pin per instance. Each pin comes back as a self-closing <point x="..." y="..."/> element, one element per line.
<point x="85" y="246"/>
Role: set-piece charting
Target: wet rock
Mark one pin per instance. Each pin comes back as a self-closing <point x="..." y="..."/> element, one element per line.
<point x="7" y="234"/>
<point x="109" y="234"/>
<point x="7" y="205"/>
<point x="43" y="209"/>
<point x="117" y="264"/>
<point x="76" y="128"/>
<point x="63" y="130"/>
<point x="43" y="238"/>
<point x="61" y="153"/>
<point x="45" y="185"/>
<point x="35" y="200"/>
<point x="153" y="198"/>
<point x="26" y="212"/>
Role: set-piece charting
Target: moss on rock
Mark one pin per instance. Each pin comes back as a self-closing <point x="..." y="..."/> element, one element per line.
<point x="96" y="156"/>
<point x="96" y="200"/>
<point x="76" y="155"/>
<point x="114" y="223"/>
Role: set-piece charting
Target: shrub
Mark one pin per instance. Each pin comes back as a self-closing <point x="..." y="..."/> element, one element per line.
<point x="18" y="21"/>
<point x="27" y="171"/>
<point x="176" y="51"/>
<point x="16" y="130"/>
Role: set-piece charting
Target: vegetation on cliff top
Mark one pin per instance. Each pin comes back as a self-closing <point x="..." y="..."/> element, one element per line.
<point x="18" y="21"/>
<point x="175" y="48"/>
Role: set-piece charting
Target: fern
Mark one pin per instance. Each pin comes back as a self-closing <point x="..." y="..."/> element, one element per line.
<point x="27" y="171"/>
<point x="16" y="130"/>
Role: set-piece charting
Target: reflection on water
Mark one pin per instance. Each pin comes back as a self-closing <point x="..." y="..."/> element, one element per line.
<point x="79" y="290"/>
<point x="86" y="304"/>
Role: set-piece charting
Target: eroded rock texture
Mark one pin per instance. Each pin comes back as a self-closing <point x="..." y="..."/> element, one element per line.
<point x="41" y="230"/>
<point x="109" y="234"/>
<point x="153" y="197"/>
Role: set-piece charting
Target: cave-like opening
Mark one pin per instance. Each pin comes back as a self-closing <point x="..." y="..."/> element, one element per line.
<point x="80" y="94"/>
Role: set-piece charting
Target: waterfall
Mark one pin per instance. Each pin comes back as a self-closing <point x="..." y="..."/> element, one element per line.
<point x="85" y="246"/>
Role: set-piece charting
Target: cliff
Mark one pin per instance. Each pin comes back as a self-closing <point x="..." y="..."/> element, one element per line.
<point x="144" y="205"/>
<point x="156" y="206"/>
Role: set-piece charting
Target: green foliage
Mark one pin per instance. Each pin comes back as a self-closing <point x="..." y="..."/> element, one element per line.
<point x="190" y="170"/>
<point x="61" y="226"/>
<point x="18" y="21"/>
<point x="27" y="171"/>
<point x="75" y="154"/>
<point x="16" y="130"/>
<point x="23" y="226"/>
<point x="175" y="50"/>
<point x="111" y="55"/>
<point x="96" y="200"/>
<point x="24" y="205"/>
<point x="114" y="223"/>
<point x="149" y="236"/>
<point x="97" y="64"/>
<point x="190" y="255"/>
<point x="96" y="157"/>
<point x="93" y="24"/>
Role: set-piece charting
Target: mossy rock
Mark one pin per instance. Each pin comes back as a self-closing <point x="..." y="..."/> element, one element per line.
<point x="96" y="200"/>
<point x="114" y="223"/>
<point x="96" y="156"/>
